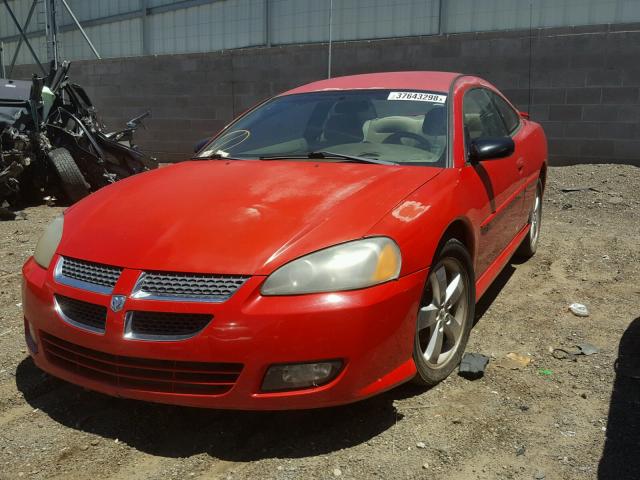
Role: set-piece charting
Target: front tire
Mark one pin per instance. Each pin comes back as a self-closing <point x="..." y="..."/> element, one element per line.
<point x="445" y="315"/>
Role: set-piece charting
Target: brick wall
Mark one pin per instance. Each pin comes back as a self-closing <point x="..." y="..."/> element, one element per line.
<point x="585" y="84"/>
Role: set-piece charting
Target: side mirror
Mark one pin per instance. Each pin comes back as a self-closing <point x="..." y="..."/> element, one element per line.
<point x="199" y="144"/>
<point x="490" y="148"/>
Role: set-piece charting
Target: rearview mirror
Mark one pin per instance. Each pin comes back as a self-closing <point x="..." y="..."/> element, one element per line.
<point x="490" y="148"/>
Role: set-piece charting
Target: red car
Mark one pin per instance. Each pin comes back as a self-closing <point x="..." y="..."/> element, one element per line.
<point x="326" y="246"/>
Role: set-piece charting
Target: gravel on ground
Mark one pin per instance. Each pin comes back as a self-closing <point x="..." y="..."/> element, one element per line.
<point x="531" y="416"/>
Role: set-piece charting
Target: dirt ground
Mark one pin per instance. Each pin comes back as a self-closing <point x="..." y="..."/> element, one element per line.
<point x="551" y="419"/>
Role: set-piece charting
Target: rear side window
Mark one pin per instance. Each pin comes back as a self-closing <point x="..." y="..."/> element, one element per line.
<point x="481" y="117"/>
<point x="509" y="115"/>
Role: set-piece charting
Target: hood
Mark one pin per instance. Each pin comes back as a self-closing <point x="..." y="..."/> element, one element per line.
<point x="233" y="217"/>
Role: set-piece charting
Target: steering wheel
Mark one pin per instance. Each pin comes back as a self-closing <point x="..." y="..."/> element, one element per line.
<point x="396" y="138"/>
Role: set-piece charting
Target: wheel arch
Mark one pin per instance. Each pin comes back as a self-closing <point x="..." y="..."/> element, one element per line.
<point x="543" y="175"/>
<point x="460" y="229"/>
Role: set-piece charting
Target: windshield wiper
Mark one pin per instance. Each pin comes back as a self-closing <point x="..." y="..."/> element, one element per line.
<point x="325" y="154"/>
<point x="217" y="156"/>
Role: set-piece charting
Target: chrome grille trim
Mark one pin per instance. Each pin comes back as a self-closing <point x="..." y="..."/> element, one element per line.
<point x="84" y="275"/>
<point x="187" y="287"/>
<point x="79" y="324"/>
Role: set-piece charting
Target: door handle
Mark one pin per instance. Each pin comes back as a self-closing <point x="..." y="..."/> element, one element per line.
<point x="520" y="163"/>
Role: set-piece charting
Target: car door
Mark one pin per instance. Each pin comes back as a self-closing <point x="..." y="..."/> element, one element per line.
<point x="515" y="128"/>
<point x="501" y="178"/>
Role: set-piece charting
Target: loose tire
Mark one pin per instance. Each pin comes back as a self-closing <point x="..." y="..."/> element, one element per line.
<point x="445" y="315"/>
<point x="529" y="245"/>
<point x="72" y="181"/>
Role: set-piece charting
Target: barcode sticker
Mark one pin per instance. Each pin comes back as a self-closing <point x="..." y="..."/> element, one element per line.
<point x="417" y="97"/>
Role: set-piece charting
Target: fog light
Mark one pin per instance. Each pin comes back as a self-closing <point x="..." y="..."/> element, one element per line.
<point x="30" y="336"/>
<point x="300" y="375"/>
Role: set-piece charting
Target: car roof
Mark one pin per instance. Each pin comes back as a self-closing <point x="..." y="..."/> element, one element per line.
<point x="434" y="81"/>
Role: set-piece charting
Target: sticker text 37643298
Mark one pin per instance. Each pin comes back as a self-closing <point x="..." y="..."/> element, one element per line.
<point x="417" y="97"/>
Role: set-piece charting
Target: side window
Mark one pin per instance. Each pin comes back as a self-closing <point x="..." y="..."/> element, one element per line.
<point x="481" y="117"/>
<point x="509" y="115"/>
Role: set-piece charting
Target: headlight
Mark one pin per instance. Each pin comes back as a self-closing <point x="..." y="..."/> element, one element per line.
<point x="349" y="266"/>
<point x="48" y="242"/>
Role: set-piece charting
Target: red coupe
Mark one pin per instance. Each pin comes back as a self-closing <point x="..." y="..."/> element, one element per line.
<point x="326" y="246"/>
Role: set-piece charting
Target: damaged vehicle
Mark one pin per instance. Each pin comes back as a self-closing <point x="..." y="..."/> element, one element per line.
<point x="52" y="144"/>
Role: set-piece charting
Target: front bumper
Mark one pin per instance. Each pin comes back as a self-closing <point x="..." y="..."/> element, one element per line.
<point x="370" y="330"/>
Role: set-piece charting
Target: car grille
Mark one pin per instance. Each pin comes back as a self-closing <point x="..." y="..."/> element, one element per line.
<point x="187" y="286"/>
<point x="82" y="314"/>
<point x="167" y="376"/>
<point x="164" y="326"/>
<point x="88" y="275"/>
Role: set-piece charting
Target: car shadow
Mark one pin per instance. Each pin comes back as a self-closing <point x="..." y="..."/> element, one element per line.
<point x="240" y="436"/>
<point x="486" y="182"/>
<point x="494" y="290"/>
<point x="620" y="459"/>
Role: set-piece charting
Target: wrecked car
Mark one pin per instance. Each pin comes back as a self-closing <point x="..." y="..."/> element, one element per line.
<point x="51" y="142"/>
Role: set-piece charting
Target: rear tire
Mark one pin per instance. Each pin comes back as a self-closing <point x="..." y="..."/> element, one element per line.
<point x="73" y="183"/>
<point x="529" y="245"/>
<point x="445" y="316"/>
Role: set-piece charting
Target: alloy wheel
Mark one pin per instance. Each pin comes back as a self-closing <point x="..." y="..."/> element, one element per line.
<point x="441" y="322"/>
<point x="536" y="217"/>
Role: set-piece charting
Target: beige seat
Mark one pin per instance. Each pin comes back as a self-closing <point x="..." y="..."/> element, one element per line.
<point x="432" y="127"/>
<point x="377" y="130"/>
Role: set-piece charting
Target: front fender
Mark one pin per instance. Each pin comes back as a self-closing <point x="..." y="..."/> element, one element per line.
<point x="419" y="222"/>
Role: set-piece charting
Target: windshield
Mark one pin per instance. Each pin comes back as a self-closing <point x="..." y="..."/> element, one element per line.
<point x="405" y="127"/>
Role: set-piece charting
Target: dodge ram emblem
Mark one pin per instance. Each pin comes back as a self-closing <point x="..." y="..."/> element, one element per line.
<point x="117" y="302"/>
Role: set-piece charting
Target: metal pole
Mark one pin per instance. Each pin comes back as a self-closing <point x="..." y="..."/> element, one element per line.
<point x="330" y="37"/>
<point x="146" y="40"/>
<point x="25" y="27"/>
<point x="4" y="75"/>
<point x="45" y="5"/>
<point x="53" y="33"/>
<point x="24" y="36"/>
<point x="95" y="52"/>
<point x="267" y="24"/>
